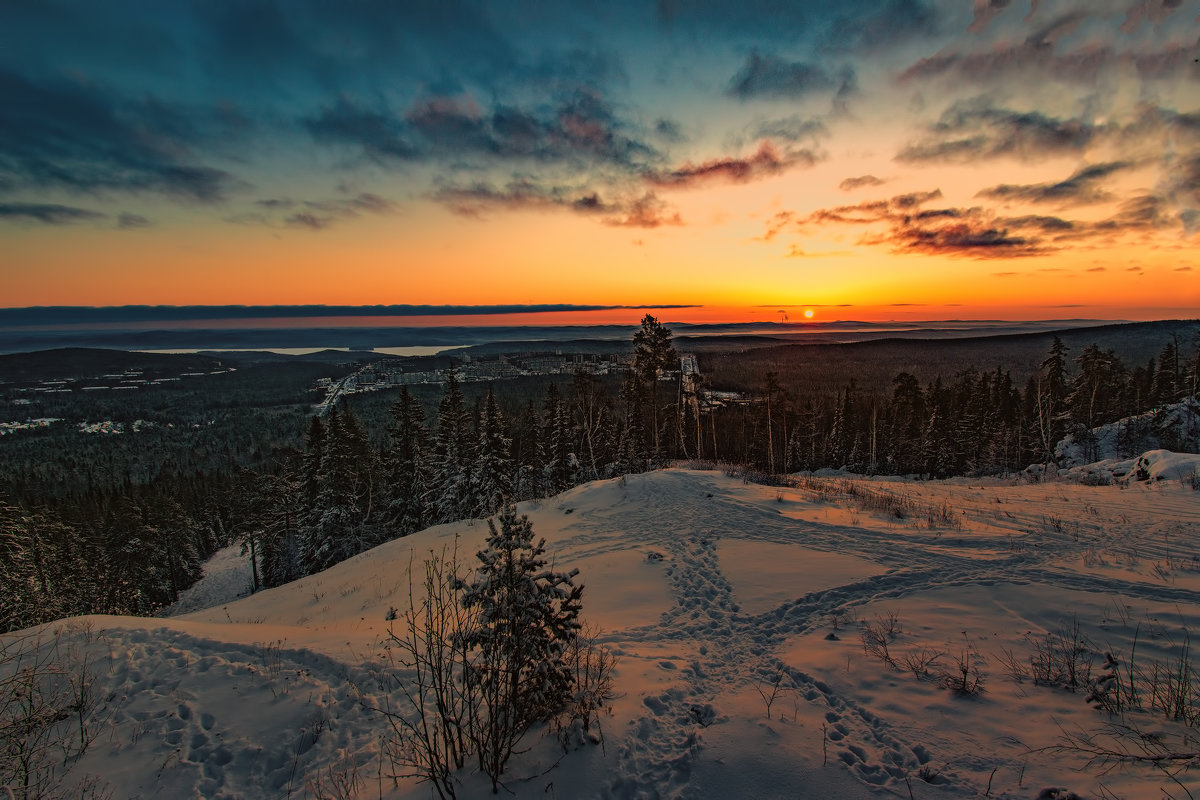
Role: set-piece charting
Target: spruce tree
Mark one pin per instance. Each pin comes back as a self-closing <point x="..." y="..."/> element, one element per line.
<point x="556" y="443"/>
<point x="526" y="615"/>
<point x="450" y="483"/>
<point x="405" y="462"/>
<point x="653" y="354"/>
<point x="492" y="474"/>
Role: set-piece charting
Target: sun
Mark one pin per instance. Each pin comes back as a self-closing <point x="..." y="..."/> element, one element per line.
<point x="808" y="313"/>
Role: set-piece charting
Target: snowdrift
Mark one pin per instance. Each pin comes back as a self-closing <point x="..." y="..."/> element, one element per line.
<point x="742" y="617"/>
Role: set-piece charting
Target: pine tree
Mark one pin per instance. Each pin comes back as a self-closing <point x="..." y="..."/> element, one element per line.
<point x="556" y="443"/>
<point x="406" y="467"/>
<point x="450" y="481"/>
<point x="492" y="475"/>
<point x="527" y="614"/>
<point x="653" y="354"/>
<point x="528" y="456"/>
<point x="1165" y="388"/>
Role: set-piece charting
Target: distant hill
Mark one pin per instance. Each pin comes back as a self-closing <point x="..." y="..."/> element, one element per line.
<point x="67" y="362"/>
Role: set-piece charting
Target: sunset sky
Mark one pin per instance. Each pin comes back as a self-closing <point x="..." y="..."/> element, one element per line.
<point x="901" y="159"/>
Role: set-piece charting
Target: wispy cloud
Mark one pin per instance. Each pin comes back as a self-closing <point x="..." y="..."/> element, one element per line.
<point x="1081" y="188"/>
<point x="850" y="184"/>
<point x="47" y="213"/>
<point x="767" y="75"/>
<point x="312" y="215"/>
<point x="766" y="162"/>
<point x="638" y="211"/>
<point x="79" y="137"/>
<point x="971" y="131"/>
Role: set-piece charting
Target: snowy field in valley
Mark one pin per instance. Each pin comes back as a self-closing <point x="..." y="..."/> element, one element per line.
<point x="739" y="614"/>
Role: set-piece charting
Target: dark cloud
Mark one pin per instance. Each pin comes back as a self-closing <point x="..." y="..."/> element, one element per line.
<point x="47" y="213"/>
<point x="309" y="220"/>
<point x="132" y="222"/>
<point x="770" y="76"/>
<point x="379" y="134"/>
<point x="914" y="199"/>
<point x="669" y="131"/>
<point x="1081" y="188"/>
<point x="275" y="203"/>
<point x="1044" y="224"/>
<point x="985" y="12"/>
<point x="790" y="129"/>
<point x="872" y="26"/>
<point x="581" y="127"/>
<point x="76" y="136"/>
<point x="974" y="238"/>
<point x="644" y="211"/>
<point x="1048" y="50"/>
<point x="967" y="132"/>
<point x="1152" y="11"/>
<point x="908" y="228"/>
<point x="767" y="161"/>
<point x="850" y="184"/>
<point x="313" y="215"/>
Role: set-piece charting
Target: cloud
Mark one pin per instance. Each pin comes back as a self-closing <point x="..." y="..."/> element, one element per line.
<point x="1081" y="188"/>
<point x="377" y="133"/>
<point x="1152" y="11"/>
<point x="903" y="225"/>
<point x="47" y="213"/>
<point x="132" y="222"/>
<point x="646" y="211"/>
<point x="766" y="162"/>
<point x="975" y="238"/>
<point x="643" y="211"/>
<point x="76" y="136"/>
<point x="873" y="26"/>
<point x="968" y="131"/>
<point x="850" y="184"/>
<point x="771" y="76"/>
<point x="581" y="127"/>
<point x="791" y="129"/>
<point x="313" y="215"/>
<point x="1182" y="269"/>
<point x="985" y="12"/>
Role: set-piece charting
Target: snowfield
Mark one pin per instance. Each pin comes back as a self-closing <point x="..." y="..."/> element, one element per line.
<point x="737" y="612"/>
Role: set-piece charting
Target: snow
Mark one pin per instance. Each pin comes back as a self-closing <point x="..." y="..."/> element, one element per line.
<point x="707" y="588"/>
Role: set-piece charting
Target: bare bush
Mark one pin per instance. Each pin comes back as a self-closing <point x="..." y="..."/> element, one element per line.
<point x="876" y="636"/>
<point x="49" y="712"/>
<point x="593" y="668"/>
<point x="429" y="672"/>
<point x="769" y="689"/>
<point x="967" y="677"/>
<point x="1062" y="658"/>
<point x="922" y="661"/>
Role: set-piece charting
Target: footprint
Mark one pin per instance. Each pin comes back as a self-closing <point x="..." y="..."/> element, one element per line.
<point x="207" y="721"/>
<point x="656" y="705"/>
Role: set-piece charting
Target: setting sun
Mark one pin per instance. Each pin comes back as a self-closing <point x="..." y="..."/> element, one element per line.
<point x="808" y="313"/>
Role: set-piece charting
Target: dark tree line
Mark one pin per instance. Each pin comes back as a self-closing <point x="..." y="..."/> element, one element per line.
<point x="972" y="424"/>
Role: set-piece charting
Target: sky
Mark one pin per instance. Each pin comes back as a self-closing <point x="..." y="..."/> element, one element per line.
<point x="901" y="159"/>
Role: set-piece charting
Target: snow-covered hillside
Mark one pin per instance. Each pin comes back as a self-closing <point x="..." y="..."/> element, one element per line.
<point x="1175" y="426"/>
<point x="738" y="614"/>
